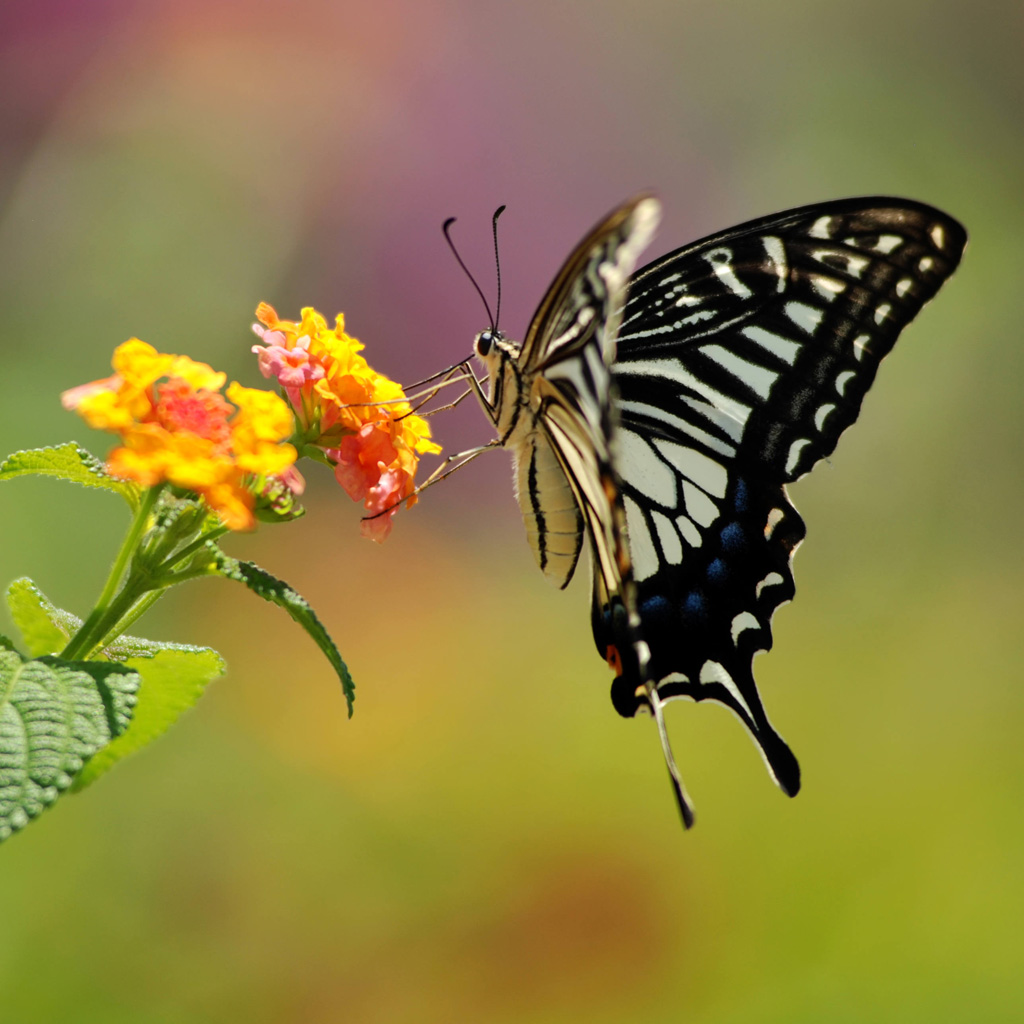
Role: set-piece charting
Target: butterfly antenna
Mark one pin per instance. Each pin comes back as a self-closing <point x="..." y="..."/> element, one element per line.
<point x="497" y="262"/>
<point x="682" y="798"/>
<point x="455" y="252"/>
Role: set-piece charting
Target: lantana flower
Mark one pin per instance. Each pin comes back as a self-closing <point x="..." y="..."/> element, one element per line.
<point x="358" y="418"/>
<point x="176" y="427"/>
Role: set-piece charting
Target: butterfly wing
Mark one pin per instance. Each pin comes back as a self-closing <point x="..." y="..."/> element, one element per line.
<point x="741" y="359"/>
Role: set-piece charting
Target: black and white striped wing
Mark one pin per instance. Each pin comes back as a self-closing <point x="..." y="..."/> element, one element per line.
<point x="741" y="359"/>
<point x="565" y="366"/>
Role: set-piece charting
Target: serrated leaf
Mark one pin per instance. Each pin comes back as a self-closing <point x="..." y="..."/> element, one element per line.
<point x="54" y="716"/>
<point x="45" y="628"/>
<point x="69" y="462"/>
<point x="174" y="677"/>
<point x="270" y="588"/>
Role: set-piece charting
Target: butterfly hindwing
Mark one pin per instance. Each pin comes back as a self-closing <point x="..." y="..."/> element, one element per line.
<point x="741" y="359"/>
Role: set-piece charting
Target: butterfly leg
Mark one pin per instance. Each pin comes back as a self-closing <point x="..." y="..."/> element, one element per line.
<point x="440" y="473"/>
<point x="453" y="375"/>
<point x="447" y="468"/>
<point x="440" y="408"/>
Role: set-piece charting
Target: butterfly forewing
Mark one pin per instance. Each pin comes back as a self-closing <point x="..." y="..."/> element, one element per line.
<point x="582" y="305"/>
<point x="741" y="359"/>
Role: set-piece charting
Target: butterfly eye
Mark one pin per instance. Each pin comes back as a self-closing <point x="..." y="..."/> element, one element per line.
<point x="484" y="340"/>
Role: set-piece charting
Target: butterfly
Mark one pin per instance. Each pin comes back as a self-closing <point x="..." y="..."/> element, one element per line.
<point x="659" y="415"/>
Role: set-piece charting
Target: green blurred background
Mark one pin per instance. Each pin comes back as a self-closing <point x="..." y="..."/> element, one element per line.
<point x="486" y="840"/>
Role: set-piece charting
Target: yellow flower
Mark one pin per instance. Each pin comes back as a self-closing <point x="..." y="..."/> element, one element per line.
<point x="176" y="427"/>
<point x="262" y="422"/>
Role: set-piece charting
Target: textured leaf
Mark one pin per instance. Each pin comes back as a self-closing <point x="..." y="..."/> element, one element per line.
<point x="45" y="628"/>
<point x="270" y="588"/>
<point x="54" y="716"/>
<point x="69" y="462"/>
<point x="174" y="677"/>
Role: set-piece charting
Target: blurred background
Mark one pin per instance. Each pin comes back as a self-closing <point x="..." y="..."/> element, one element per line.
<point x="486" y="839"/>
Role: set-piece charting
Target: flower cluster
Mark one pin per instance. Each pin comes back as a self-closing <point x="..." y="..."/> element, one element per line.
<point x="357" y="418"/>
<point x="176" y="427"/>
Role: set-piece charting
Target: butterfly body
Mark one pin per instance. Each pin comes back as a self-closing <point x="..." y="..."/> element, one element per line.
<point x="661" y="416"/>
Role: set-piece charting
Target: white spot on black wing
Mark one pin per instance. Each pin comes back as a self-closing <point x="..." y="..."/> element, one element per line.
<point x="758" y="378"/>
<point x="642" y="468"/>
<point x="742" y="622"/>
<point x="784" y="348"/>
<point x="721" y="263"/>
<point x="795" y="450"/>
<point x="690" y="533"/>
<point x="820" y="228"/>
<point x="822" y="414"/>
<point x="807" y="318"/>
<point x="774" y="518"/>
<point x="773" y="579"/>
<point x="700" y="507"/>
<point x="843" y="379"/>
<point x="703" y="471"/>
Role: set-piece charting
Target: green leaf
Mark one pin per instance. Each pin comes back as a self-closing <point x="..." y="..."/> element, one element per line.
<point x="270" y="588"/>
<point x="45" y="628"/>
<point x="69" y="462"/>
<point x="174" y="677"/>
<point x="54" y="716"/>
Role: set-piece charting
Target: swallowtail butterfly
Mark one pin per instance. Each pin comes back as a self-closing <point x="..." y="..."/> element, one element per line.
<point x="661" y="416"/>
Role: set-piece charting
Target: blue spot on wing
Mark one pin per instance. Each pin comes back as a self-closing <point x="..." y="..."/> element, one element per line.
<point x="717" y="571"/>
<point x="732" y="537"/>
<point x="740" y="497"/>
<point x="693" y="606"/>
<point x="656" y="607"/>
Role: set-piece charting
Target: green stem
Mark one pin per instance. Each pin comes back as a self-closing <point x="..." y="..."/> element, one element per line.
<point x="124" y="623"/>
<point x="84" y="639"/>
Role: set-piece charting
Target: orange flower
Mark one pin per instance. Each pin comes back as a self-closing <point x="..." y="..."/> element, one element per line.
<point x="177" y="428"/>
<point x="358" y="417"/>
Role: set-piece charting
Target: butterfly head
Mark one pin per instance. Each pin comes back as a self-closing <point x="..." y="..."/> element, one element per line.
<point x="491" y="347"/>
<point x="484" y="342"/>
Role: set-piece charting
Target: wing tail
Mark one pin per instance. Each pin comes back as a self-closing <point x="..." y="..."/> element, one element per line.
<point x="682" y="797"/>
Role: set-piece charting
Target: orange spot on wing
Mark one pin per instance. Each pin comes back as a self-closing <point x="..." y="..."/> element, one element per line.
<point x="614" y="659"/>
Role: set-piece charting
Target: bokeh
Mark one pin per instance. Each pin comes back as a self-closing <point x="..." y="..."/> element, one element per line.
<point x="486" y="840"/>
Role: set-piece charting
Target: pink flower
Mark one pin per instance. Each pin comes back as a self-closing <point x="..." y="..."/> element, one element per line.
<point x="382" y="501"/>
<point x="293" y="480"/>
<point x="293" y="367"/>
<point x="361" y="457"/>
